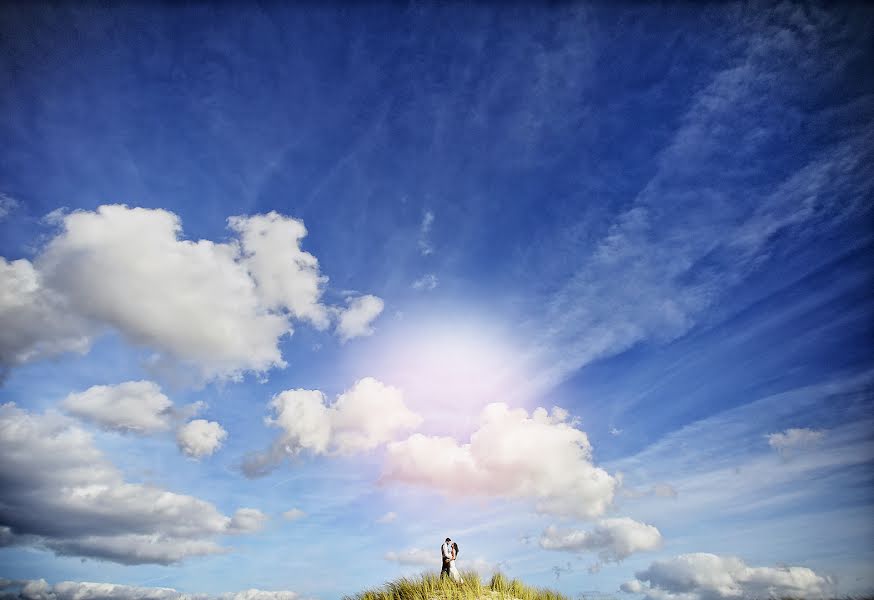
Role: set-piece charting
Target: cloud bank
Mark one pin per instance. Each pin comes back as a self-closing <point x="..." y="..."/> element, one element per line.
<point x="219" y="307"/>
<point x="58" y="491"/>
<point x="702" y="576"/>
<point x="40" y="589"/>
<point x="541" y="457"/>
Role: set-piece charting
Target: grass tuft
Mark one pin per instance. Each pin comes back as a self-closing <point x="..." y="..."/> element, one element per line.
<point x="430" y="586"/>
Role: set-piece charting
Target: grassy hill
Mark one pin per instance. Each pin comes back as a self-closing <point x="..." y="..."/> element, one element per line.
<point x="430" y="586"/>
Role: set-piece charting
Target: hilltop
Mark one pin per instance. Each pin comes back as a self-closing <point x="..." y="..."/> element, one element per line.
<point x="430" y="586"/>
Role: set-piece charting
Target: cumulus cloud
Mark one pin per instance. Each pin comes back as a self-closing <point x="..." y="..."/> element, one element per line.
<point x="200" y="438"/>
<point x="35" y="322"/>
<point x="294" y="514"/>
<point x="792" y="439"/>
<point x="247" y="520"/>
<point x="363" y="417"/>
<point x="357" y="318"/>
<point x="702" y="576"/>
<point x="40" y="589"/>
<point x="425" y="283"/>
<point x="612" y="539"/>
<point x="387" y="518"/>
<point x="58" y="491"/>
<point x="286" y="276"/>
<point x="541" y="457"/>
<point x="219" y="307"/>
<point x="133" y="406"/>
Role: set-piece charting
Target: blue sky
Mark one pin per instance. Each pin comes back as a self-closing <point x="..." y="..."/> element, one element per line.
<point x="310" y="251"/>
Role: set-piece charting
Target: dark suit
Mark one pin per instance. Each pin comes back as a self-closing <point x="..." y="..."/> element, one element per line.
<point x="446" y="560"/>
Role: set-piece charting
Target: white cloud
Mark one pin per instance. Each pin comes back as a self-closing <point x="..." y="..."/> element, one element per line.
<point x="425" y="246"/>
<point x="59" y="491"/>
<point x="614" y="431"/>
<point x="247" y="520"/>
<point x="40" y="589"/>
<point x="195" y="301"/>
<point x="702" y="576"/>
<point x="415" y="556"/>
<point x="425" y="283"/>
<point x="387" y="517"/>
<point x="200" y="438"/>
<point x="133" y="406"/>
<point x="287" y="277"/>
<point x="256" y="594"/>
<point x="35" y="322"/>
<point x="512" y="454"/>
<point x="363" y="417"/>
<point x="793" y="439"/>
<point x="357" y="318"/>
<point x="294" y="514"/>
<point x="218" y="307"/>
<point x="612" y="539"/>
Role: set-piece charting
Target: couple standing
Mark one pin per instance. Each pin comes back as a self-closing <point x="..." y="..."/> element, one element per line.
<point x="449" y="550"/>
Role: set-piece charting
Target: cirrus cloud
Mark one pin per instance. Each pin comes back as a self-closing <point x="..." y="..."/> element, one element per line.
<point x="785" y="442"/>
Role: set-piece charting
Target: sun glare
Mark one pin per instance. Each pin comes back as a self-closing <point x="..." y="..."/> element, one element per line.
<point x="450" y="368"/>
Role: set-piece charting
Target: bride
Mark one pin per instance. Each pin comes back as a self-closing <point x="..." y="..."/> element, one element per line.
<point x="453" y="570"/>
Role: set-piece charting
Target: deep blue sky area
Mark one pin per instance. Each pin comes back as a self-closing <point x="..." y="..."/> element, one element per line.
<point x="284" y="287"/>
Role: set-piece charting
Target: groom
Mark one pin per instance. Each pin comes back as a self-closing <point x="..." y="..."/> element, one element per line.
<point x="446" y="552"/>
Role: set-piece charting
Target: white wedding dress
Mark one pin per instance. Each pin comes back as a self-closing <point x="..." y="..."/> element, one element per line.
<point x="453" y="572"/>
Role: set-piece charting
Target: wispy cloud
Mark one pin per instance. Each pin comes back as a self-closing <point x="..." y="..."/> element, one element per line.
<point x="7" y="205"/>
<point x="795" y="438"/>
<point x="293" y="514"/>
<point x="724" y="465"/>
<point x="425" y="283"/>
<point x="425" y="246"/>
<point x="703" y="222"/>
<point x="388" y="517"/>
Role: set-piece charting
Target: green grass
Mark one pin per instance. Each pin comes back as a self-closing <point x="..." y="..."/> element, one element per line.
<point x="430" y="586"/>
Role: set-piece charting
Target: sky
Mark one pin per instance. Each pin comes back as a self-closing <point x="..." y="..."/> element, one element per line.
<point x="290" y="293"/>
